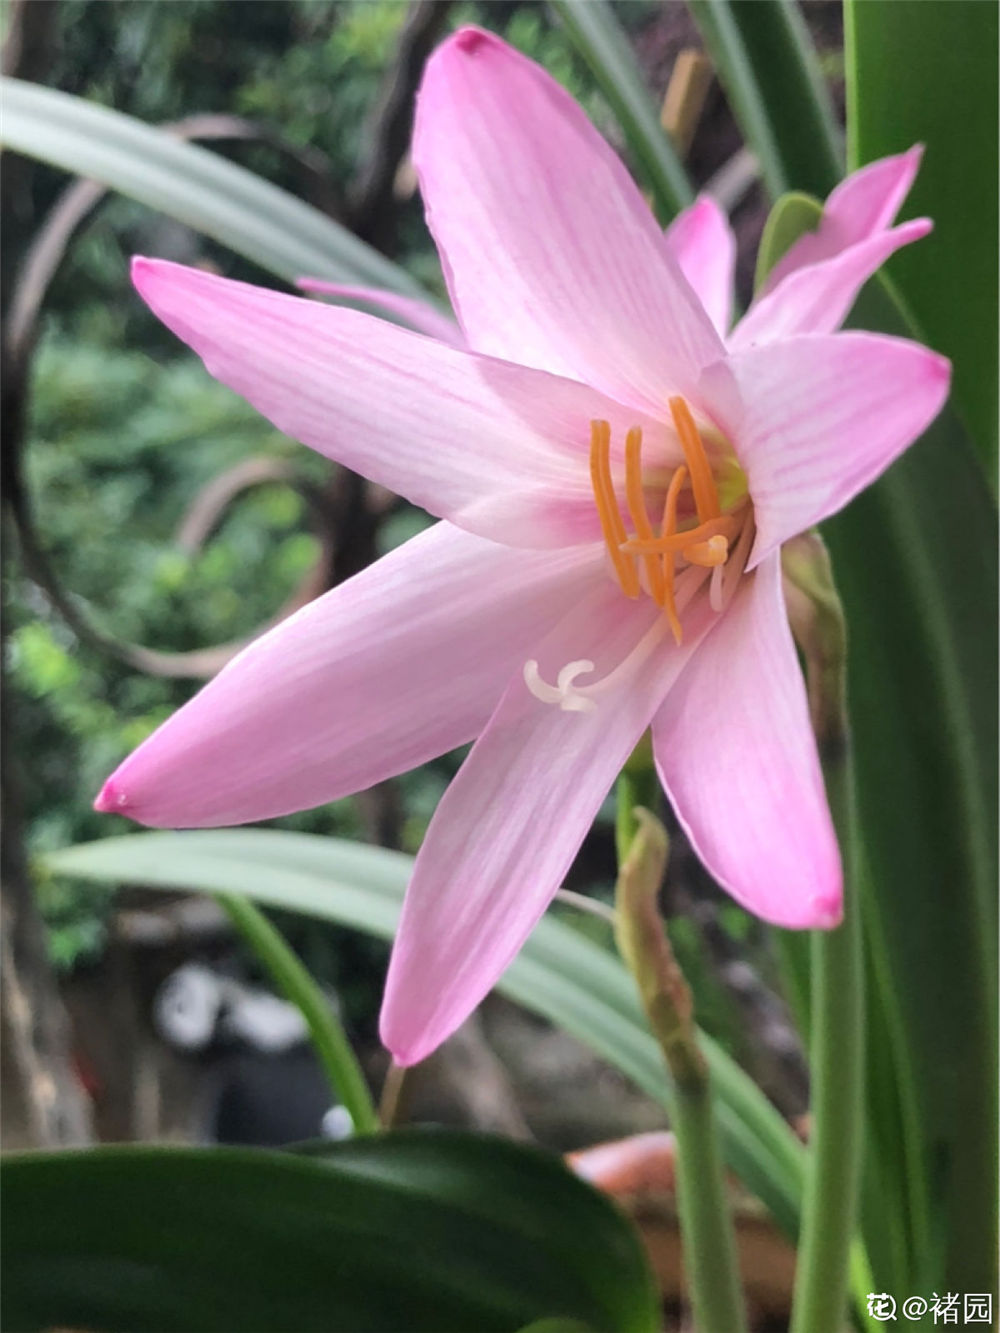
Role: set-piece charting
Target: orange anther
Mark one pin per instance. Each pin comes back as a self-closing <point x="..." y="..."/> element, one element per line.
<point x="706" y="497"/>
<point x="637" y="510"/>
<point x="708" y="554"/>
<point x="612" y="525"/>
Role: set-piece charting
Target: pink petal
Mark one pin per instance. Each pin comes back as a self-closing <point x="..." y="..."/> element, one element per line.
<point x="421" y="316"/>
<point x="736" y="754"/>
<point x="702" y="242"/>
<point x="552" y="256"/>
<point x="817" y="297"/>
<point x="399" y="664"/>
<point x="860" y="207"/>
<point x="499" y="449"/>
<point x="814" y="420"/>
<point x="510" y="824"/>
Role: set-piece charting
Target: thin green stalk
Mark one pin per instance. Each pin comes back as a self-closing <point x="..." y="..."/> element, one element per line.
<point x="837" y="1048"/>
<point x="722" y="39"/>
<point x="710" y="1257"/>
<point x="710" y="1260"/>
<point x="837" y="1058"/>
<point x="328" y="1037"/>
<point x="595" y="31"/>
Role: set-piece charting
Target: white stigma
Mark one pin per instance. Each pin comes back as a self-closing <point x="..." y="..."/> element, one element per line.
<point x="564" y="691"/>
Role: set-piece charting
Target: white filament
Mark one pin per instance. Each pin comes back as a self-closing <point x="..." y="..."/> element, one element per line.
<point x="715" y="588"/>
<point x="573" y="698"/>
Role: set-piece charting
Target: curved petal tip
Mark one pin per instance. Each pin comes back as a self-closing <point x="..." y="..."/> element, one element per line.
<point x="470" y="39"/>
<point x="111" y="800"/>
<point x="404" y="1052"/>
<point x="141" y="268"/>
<point x="938" y="368"/>
<point x="827" y="911"/>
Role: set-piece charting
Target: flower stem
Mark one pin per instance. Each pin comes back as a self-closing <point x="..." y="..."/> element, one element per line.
<point x="833" y="1168"/>
<point x="836" y="1059"/>
<point x="328" y="1037"/>
<point x="710" y="1257"/>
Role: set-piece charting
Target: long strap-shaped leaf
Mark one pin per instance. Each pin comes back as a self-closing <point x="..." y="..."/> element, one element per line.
<point x="915" y="563"/>
<point x="767" y="65"/>
<point x="919" y="73"/>
<point x="923" y="699"/>
<point x="560" y="973"/>
<point x="218" y="198"/>
<point x="597" y="35"/>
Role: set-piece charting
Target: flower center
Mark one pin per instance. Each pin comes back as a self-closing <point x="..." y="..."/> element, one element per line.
<point x="705" y="532"/>
<point x="694" y="529"/>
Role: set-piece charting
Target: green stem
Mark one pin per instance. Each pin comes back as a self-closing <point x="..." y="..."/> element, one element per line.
<point x="837" y="1061"/>
<point x="837" y="1046"/>
<point x="594" y="29"/>
<point x="709" y="1243"/>
<point x="710" y="1258"/>
<point x="328" y="1037"/>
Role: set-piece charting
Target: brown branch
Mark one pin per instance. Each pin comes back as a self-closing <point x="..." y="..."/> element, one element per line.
<point x="43" y="258"/>
<point x="30" y="41"/>
<point x="684" y="100"/>
<point x="37" y="1059"/>
<point x="195" y="664"/>
<point x="208" y="508"/>
<point x="387" y="131"/>
<point x="79" y="200"/>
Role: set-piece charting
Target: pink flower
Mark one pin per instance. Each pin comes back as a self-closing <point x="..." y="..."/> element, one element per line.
<point x="616" y="479"/>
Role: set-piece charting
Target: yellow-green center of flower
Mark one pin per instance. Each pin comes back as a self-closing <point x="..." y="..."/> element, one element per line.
<point x="704" y="512"/>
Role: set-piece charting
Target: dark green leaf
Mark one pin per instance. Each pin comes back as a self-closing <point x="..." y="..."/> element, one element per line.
<point x="925" y="71"/>
<point x="767" y="65"/>
<point x="915" y="561"/>
<point x="916" y="565"/>
<point x="415" y="1232"/>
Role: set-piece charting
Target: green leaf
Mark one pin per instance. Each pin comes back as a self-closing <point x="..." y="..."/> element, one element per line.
<point x="767" y="65"/>
<point x="927" y="73"/>
<point x="556" y="1326"/>
<point x="923" y="704"/>
<point x="922" y="679"/>
<point x="595" y="31"/>
<point x="415" y="1231"/>
<point x="216" y="197"/>
<point x="559" y="973"/>
<point x="791" y="217"/>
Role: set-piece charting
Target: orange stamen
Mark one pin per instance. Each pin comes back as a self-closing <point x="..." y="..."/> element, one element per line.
<point x="726" y="525"/>
<point x="706" y="497"/>
<point x="612" y="525"/>
<point x="637" y="510"/>
<point x="669" y="528"/>
<point x="708" y="554"/>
